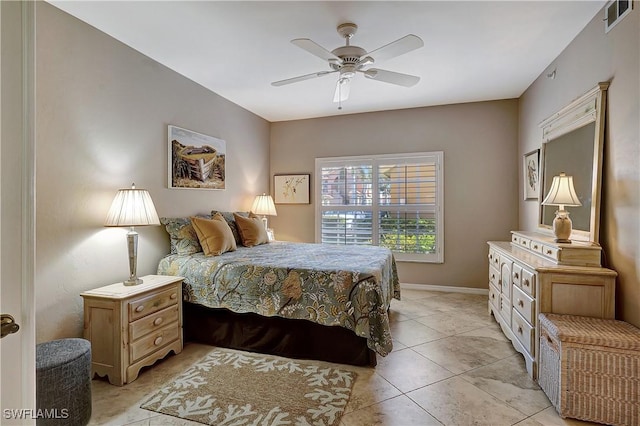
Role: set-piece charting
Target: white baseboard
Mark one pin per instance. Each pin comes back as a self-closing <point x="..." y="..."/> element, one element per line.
<point x="445" y="288"/>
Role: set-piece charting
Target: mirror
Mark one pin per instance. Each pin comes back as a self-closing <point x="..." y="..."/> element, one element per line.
<point x="573" y="142"/>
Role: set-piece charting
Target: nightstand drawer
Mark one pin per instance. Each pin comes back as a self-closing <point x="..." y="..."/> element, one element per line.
<point x="153" y="322"/>
<point x="154" y="341"/>
<point x="153" y="303"/>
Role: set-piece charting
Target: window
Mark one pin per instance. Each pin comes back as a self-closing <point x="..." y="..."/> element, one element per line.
<point x="393" y="201"/>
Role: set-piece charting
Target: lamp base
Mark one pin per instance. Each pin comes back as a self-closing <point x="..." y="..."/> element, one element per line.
<point x="132" y="281"/>
<point x="559" y="240"/>
<point x="562" y="227"/>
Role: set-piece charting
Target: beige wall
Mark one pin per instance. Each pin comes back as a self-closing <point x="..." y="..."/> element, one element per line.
<point x="592" y="57"/>
<point x="102" y="115"/>
<point x="480" y="164"/>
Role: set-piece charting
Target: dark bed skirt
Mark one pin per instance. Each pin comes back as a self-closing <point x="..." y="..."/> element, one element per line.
<point x="274" y="335"/>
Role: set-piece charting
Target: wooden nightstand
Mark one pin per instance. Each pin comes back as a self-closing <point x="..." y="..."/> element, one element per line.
<point x="130" y="327"/>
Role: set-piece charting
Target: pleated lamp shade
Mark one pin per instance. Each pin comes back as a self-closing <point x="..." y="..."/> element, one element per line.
<point x="562" y="192"/>
<point x="132" y="207"/>
<point x="263" y="205"/>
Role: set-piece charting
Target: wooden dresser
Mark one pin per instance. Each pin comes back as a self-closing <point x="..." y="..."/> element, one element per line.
<point x="532" y="274"/>
<point x="130" y="327"/>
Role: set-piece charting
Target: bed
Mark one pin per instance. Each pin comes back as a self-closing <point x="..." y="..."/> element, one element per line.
<point x="292" y="299"/>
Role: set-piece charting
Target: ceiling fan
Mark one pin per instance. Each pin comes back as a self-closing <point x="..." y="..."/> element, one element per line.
<point x="348" y="60"/>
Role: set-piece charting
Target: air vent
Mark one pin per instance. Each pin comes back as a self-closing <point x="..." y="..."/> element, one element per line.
<point x="614" y="11"/>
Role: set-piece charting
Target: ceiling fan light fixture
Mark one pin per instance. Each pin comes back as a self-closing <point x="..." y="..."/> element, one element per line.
<point x="367" y="60"/>
<point x="370" y="73"/>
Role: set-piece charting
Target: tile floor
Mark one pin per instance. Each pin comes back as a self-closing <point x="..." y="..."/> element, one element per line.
<point x="451" y="365"/>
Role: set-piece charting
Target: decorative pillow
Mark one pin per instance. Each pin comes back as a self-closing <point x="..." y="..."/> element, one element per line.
<point x="214" y="235"/>
<point x="183" y="237"/>
<point x="231" y="221"/>
<point x="251" y="230"/>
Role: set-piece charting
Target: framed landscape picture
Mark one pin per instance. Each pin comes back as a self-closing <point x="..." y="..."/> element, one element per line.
<point x="291" y="189"/>
<point x="531" y="171"/>
<point x="196" y="161"/>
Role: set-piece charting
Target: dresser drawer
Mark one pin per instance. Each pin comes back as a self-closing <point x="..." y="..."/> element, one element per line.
<point x="516" y="274"/>
<point x="524" y="304"/>
<point x="528" y="282"/>
<point x="153" y="322"/>
<point x="550" y="252"/>
<point x="494" y="259"/>
<point x="524" y="332"/>
<point x="153" y="303"/>
<point x="494" y="277"/>
<point x="524" y="242"/>
<point x="505" y="309"/>
<point x="536" y="246"/>
<point x="154" y="341"/>
<point x="494" y="297"/>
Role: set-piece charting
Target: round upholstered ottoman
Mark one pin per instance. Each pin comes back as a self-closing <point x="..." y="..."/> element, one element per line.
<point x="63" y="382"/>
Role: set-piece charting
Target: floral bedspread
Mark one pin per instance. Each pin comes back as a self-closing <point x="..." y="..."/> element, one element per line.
<point x="345" y="286"/>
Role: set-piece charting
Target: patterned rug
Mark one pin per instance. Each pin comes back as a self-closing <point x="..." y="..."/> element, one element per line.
<point x="230" y="387"/>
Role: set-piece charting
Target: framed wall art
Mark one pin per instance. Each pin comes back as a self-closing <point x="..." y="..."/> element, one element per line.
<point x="196" y="161"/>
<point x="291" y="189"/>
<point x="531" y="174"/>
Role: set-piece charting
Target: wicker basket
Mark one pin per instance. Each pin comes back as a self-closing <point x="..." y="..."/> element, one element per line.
<point x="590" y="368"/>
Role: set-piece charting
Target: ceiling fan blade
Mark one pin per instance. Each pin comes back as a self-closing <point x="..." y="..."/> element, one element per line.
<point x="315" y="49"/>
<point x="400" y="79"/>
<point x="342" y="90"/>
<point x="396" y="48"/>
<point x="301" y="78"/>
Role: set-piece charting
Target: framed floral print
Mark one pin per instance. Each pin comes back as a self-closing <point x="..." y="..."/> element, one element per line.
<point x="531" y="171"/>
<point x="291" y="189"/>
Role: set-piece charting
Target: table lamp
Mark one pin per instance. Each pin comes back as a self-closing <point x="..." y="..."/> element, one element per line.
<point x="263" y="205"/>
<point x="562" y="194"/>
<point x="132" y="207"/>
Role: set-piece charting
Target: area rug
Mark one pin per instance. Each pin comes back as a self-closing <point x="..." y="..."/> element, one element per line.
<point x="230" y="387"/>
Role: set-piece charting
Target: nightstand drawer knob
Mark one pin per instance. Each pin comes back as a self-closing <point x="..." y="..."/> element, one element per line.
<point x="139" y="308"/>
<point x="174" y="296"/>
<point x="520" y="330"/>
<point x="158" y="340"/>
<point x="158" y="321"/>
<point x="526" y="283"/>
<point x="521" y="303"/>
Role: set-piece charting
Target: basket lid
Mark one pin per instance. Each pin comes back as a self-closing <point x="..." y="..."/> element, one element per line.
<point x="592" y="331"/>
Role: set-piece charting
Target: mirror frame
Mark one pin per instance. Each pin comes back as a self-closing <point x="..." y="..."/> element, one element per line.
<point x="589" y="108"/>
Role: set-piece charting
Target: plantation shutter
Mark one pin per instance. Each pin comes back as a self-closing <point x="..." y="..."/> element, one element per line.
<point x="394" y="201"/>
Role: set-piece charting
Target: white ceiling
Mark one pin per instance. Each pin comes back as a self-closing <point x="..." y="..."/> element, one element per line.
<point x="474" y="51"/>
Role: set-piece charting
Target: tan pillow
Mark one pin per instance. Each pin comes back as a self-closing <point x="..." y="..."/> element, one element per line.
<point x="251" y="230"/>
<point x="214" y="234"/>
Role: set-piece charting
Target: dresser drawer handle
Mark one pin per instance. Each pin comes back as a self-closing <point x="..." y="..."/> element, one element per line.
<point x="174" y="296"/>
<point x="520" y="330"/>
<point x="535" y="247"/>
<point x="493" y="296"/>
<point x="549" y="252"/>
<point x="521" y="303"/>
<point x="526" y="282"/>
<point x="524" y="243"/>
<point x="158" y="321"/>
<point x="158" y="340"/>
<point x="139" y="308"/>
<point x="515" y="275"/>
